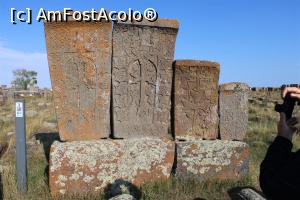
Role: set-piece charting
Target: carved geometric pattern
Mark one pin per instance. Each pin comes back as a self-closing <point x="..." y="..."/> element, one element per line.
<point x="79" y="56"/>
<point x="196" y="99"/>
<point x="142" y="80"/>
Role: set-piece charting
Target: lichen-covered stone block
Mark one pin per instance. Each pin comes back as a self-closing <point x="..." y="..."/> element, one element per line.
<point x="79" y="58"/>
<point x="212" y="159"/>
<point x="233" y="108"/>
<point x="89" y="166"/>
<point x="142" y="78"/>
<point x="196" y="99"/>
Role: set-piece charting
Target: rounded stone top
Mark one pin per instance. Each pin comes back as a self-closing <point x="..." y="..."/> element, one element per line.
<point x="197" y="63"/>
<point x="163" y="23"/>
<point x="234" y="86"/>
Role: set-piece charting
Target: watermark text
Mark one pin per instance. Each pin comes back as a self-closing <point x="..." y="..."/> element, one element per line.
<point x="26" y="15"/>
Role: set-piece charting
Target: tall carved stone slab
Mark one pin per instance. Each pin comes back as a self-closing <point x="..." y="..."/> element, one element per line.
<point x="196" y="99"/>
<point x="79" y="58"/>
<point x="142" y="77"/>
<point x="233" y="110"/>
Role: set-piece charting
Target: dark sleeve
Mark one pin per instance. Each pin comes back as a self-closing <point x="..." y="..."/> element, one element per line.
<point x="276" y="168"/>
<point x="278" y="154"/>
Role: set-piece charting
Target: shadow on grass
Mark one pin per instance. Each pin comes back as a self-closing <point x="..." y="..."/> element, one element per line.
<point x="120" y="187"/>
<point x="47" y="140"/>
<point x="3" y="148"/>
<point x="242" y="193"/>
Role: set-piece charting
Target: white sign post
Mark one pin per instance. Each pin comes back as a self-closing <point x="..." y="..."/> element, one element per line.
<point x="21" y="154"/>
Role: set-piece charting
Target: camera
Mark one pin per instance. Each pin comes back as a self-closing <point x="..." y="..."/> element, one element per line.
<point x="287" y="106"/>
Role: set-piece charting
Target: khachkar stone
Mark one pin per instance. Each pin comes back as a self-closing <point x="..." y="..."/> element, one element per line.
<point x="233" y="108"/>
<point x="196" y="99"/>
<point x="79" y="57"/>
<point x="90" y="166"/>
<point x="142" y="77"/>
<point x="212" y="159"/>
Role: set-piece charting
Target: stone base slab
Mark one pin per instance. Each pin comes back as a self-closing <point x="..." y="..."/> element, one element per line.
<point x="80" y="167"/>
<point x="212" y="159"/>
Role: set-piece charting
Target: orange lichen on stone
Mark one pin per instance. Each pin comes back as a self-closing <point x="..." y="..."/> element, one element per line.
<point x="89" y="166"/>
<point x="196" y="99"/>
<point x="79" y="57"/>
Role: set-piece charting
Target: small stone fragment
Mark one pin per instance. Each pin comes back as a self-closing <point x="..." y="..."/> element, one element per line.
<point x="212" y="159"/>
<point x="233" y="105"/>
<point x="123" y="197"/>
<point x="250" y="194"/>
<point x="89" y="166"/>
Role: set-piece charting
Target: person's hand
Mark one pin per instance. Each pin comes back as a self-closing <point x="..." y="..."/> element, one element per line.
<point x="295" y="92"/>
<point x="287" y="129"/>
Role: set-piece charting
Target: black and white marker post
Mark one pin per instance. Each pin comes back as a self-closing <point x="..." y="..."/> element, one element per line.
<point x="21" y="159"/>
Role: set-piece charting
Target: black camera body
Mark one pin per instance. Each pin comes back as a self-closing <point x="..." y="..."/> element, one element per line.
<point x="287" y="107"/>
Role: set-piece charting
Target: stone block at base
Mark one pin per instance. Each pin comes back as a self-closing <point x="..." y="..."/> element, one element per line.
<point x="212" y="159"/>
<point x="90" y="166"/>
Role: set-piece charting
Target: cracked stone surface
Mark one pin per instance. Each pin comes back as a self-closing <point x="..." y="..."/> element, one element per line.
<point x="196" y="99"/>
<point x="233" y="108"/>
<point x="212" y="159"/>
<point x="89" y="166"/>
<point x="142" y="77"/>
<point x="79" y="58"/>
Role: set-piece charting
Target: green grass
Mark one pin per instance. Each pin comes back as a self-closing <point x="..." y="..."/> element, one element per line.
<point x="262" y="129"/>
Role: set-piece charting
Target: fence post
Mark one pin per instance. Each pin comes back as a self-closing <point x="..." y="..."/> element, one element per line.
<point x="21" y="159"/>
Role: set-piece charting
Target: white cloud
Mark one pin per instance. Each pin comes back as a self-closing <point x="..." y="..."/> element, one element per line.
<point x="11" y="59"/>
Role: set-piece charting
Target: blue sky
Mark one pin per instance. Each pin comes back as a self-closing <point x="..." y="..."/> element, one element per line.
<point x="255" y="41"/>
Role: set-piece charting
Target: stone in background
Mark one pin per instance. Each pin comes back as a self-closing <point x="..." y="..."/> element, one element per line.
<point x="90" y="166"/>
<point x="212" y="159"/>
<point x="142" y="77"/>
<point x="79" y="57"/>
<point x="196" y="99"/>
<point x="233" y="108"/>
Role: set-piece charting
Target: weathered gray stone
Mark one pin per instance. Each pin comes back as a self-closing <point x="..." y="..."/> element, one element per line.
<point x="196" y="99"/>
<point x="233" y="108"/>
<point x="123" y="197"/>
<point x="212" y="159"/>
<point x="89" y="166"/>
<point x="142" y="78"/>
<point x="250" y="194"/>
<point x="79" y="57"/>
